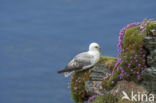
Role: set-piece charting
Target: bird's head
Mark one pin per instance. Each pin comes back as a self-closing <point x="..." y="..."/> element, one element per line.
<point x="94" y="47"/>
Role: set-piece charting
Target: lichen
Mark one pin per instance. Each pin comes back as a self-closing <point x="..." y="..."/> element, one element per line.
<point x="107" y="98"/>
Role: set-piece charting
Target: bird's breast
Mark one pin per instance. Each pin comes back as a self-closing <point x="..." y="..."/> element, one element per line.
<point x="96" y="58"/>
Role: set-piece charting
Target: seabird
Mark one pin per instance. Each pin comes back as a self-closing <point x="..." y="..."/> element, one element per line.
<point x="83" y="60"/>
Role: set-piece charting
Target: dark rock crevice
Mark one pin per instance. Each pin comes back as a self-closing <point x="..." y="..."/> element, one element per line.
<point x="149" y="74"/>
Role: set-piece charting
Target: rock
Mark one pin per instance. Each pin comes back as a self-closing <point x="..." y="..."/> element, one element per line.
<point x="98" y="72"/>
<point x="127" y="87"/>
<point x="148" y="38"/>
<point x="150" y="43"/>
<point x="94" y="85"/>
<point x="149" y="74"/>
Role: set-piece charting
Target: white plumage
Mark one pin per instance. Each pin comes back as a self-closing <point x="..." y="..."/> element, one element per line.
<point x="83" y="60"/>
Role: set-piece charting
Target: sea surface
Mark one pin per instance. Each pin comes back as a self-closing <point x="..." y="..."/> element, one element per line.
<point x="39" y="37"/>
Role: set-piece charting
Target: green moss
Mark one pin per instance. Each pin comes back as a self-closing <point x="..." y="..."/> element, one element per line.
<point x="108" y="61"/>
<point x="107" y="98"/>
<point x="126" y="101"/>
<point x="151" y="26"/>
<point x="112" y="80"/>
<point x="132" y="38"/>
<point x="78" y="86"/>
<point x="109" y="83"/>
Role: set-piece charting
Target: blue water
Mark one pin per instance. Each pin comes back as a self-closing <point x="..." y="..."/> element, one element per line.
<point x="39" y="37"/>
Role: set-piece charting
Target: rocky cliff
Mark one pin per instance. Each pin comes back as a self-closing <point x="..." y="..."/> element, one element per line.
<point x="133" y="70"/>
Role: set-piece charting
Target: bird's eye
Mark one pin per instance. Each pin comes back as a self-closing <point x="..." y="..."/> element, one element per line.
<point x="96" y="46"/>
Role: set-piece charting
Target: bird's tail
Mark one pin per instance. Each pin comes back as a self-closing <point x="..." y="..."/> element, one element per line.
<point x="61" y="71"/>
<point x="66" y="69"/>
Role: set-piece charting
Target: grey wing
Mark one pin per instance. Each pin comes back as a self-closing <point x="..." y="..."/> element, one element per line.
<point x="78" y="62"/>
<point x="81" y="60"/>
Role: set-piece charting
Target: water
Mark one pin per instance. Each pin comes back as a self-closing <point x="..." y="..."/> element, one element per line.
<point x="38" y="37"/>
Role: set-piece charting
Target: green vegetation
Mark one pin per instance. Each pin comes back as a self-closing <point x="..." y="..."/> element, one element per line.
<point x="133" y="54"/>
<point x="126" y="101"/>
<point x="107" y="98"/>
<point x="109" y="83"/>
<point x="151" y="28"/>
<point x="78" y="86"/>
<point x="108" y="61"/>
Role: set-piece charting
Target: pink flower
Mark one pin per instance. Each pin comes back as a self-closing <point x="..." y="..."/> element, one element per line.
<point x="139" y="65"/>
<point x="121" y="34"/>
<point x="138" y="77"/>
<point x="144" y="55"/>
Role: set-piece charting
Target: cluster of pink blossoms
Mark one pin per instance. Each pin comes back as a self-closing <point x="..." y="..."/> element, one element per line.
<point x="122" y="32"/>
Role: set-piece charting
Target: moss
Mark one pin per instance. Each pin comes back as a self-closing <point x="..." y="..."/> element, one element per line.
<point x="108" y="61"/>
<point x="126" y="101"/>
<point x="107" y="98"/>
<point x="78" y="86"/>
<point x="109" y="83"/>
<point x="112" y="80"/>
<point x="150" y="27"/>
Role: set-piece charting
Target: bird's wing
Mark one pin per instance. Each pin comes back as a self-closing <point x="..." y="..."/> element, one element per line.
<point x="78" y="62"/>
<point x="83" y="59"/>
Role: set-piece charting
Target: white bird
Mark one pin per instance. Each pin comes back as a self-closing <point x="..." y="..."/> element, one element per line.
<point x="83" y="60"/>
